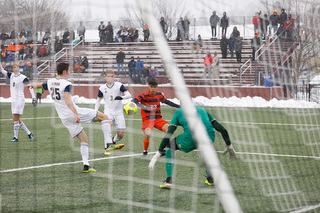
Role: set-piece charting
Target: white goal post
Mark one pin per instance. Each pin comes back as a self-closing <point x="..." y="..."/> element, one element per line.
<point x="223" y="187"/>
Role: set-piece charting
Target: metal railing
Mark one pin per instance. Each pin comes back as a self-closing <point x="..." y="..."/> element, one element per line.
<point x="44" y="66"/>
<point x="249" y="66"/>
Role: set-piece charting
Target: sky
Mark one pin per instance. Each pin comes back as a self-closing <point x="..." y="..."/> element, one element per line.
<point x="114" y="10"/>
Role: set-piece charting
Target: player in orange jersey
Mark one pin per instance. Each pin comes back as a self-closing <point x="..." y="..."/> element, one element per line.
<point x="151" y="112"/>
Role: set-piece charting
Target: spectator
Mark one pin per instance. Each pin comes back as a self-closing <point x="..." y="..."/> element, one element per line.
<point x="42" y="51"/>
<point x="131" y="66"/>
<point x="10" y="57"/>
<point x="109" y="31"/>
<point x="274" y="19"/>
<point x="145" y="74"/>
<point x="235" y="33"/>
<point x="146" y="33"/>
<point x="181" y="30"/>
<point x="186" y="28"/>
<point x="49" y="42"/>
<point x="207" y="61"/>
<point x="4" y="54"/>
<point x="118" y="36"/>
<point x="153" y="73"/>
<point x="238" y="49"/>
<point x="4" y="37"/>
<point x="66" y="36"/>
<point x="22" y="33"/>
<point x="214" y="19"/>
<point x="264" y="26"/>
<point x="22" y="40"/>
<point x="27" y="70"/>
<point x="120" y="61"/>
<point x="58" y="45"/>
<point x="102" y="32"/>
<point x="164" y="26"/>
<point x="78" y="68"/>
<point x="81" y="30"/>
<point x="256" y="22"/>
<point x="138" y="70"/>
<point x="224" y="46"/>
<point x="29" y="36"/>
<point x="28" y="56"/>
<point x="224" y="23"/>
<point x="13" y="36"/>
<point x="21" y="53"/>
<point x="231" y="42"/>
<point x="289" y="25"/>
<point x="215" y="66"/>
<point x="282" y="17"/>
<point x="135" y="35"/>
<point x="197" y="44"/>
<point x="46" y="36"/>
<point x="85" y="64"/>
<point x="255" y="44"/>
<point x="72" y="35"/>
<point x="124" y="34"/>
<point x="49" y="48"/>
<point x="39" y="92"/>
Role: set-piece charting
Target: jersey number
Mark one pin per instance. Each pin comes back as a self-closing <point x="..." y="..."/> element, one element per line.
<point x="55" y="93"/>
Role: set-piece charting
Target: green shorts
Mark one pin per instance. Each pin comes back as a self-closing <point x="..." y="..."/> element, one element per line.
<point x="186" y="143"/>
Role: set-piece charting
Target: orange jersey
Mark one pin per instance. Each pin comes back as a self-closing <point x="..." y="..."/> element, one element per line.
<point x="153" y="102"/>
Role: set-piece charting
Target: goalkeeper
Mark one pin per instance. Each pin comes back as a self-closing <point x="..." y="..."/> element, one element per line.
<point x="185" y="142"/>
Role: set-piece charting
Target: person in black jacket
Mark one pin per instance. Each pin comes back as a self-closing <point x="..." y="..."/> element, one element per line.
<point x="131" y="66"/>
<point x="224" y="23"/>
<point x="255" y="44"/>
<point x="102" y="32"/>
<point x="224" y="46"/>
<point x="283" y="17"/>
<point x="164" y="26"/>
<point x="120" y="60"/>
<point x="109" y="31"/>
<point x="85" y="64"/>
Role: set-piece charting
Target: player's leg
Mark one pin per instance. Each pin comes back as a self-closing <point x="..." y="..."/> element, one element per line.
<point x="25" y="129"/>
<point x="84" y="151"/>
<point x="146" y="140"/>
<point x="16" y="126"/>
<point x="106" y="129"/>
<point x="120" y="126"/>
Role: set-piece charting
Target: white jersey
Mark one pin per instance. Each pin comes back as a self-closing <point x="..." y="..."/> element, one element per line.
<point x="17" y="83"/>
<point x="57" y="87"/>
<point x="108" y="93"/>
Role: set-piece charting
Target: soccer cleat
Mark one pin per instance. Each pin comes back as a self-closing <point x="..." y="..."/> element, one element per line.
<point x="209" y="181"/>
<point x="31" y="135"/>
<point x="167" y="184"/>
<point x="14" y="140"/>
<point x="87" y="169"/>
<point x="145" y="153"/>
<point x="113" y="147"/>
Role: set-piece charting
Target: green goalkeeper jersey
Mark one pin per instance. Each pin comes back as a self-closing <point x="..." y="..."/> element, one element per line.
<point x="179" y="120"/>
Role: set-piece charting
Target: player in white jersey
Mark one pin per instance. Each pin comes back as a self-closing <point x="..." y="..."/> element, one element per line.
<point x="70" y="114"/>
<point x="17" y="83"/>
<point x="112" y="94"/>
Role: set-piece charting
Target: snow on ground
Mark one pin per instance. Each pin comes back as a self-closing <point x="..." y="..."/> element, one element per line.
<point x="214" y="102"/>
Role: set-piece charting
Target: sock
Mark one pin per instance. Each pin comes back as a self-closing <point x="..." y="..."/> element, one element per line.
<point x="106" y="129"/>
<point x="145" y="144"/>
<point x="116" y="138"/>
<point x="84" y="150"/>
<point x="24" y="128"/>
<point x="16" y="126"/>
<point x="170" y="156"/>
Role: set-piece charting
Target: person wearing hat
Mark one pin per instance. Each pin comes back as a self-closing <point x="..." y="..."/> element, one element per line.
<point x="255" y="44"/>
<point x="197" y="44"/>
<point x="274" y="20"/>
<point x="131" y="66"/>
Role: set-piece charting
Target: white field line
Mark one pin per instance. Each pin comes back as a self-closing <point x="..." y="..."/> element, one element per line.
<point x="226" y="122"/>
<point x="132" y="155"/>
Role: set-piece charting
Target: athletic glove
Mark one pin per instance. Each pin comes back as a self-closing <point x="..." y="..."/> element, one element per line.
<point x="154" y="160"/>
<point x="34" y="102"/>
<point x="118" y="98"/>
<point x="232" y="153"/>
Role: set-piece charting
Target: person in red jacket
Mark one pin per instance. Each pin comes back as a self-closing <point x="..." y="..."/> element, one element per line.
<point x="289" y="25"/>
<point x="207" y="61"/>
<point x="256" y="22"/>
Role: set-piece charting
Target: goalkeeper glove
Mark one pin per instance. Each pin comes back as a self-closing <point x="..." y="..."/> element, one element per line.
<point x="154" y="160"/>
<point x="34" y="102"/>
<point x="118" y="98"/>
<point x="232" y="153"/>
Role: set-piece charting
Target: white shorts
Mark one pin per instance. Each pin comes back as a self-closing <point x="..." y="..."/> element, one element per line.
<point x="86" y="115"/>
<point x="17" y="107"/>
<point x="118" y="120"/>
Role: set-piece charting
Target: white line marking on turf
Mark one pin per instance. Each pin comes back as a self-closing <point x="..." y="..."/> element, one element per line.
<point x="132" y="155"/>
<point x="305" y="209"/>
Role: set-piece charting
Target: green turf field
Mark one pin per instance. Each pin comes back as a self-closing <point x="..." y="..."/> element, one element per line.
<point x="278" y="169"/>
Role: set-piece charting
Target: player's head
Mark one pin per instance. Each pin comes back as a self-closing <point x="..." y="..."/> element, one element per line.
<point x="61" y="67"/>
<point x="15" y="68"/>
<point x="109" y="76"/>
<point x="153" y="85"/>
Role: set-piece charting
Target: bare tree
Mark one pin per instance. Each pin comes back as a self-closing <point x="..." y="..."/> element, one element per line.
<point x="307" y="13"/>
<point x="170" y="10"/>
<point x="37" y="15"/>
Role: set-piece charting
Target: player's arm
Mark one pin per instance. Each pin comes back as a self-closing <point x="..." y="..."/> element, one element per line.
<point x="4" y="72"/>
<point x="126" y="94"/>
<point x="170" y="103"/>
<point x="165" y="141"/>
<point x="99" y="98"/>
<point x="144" y="107"/>
<point x="225" y="136"/>
<point x="26" y="83"/>
<point x="67" y="98"/>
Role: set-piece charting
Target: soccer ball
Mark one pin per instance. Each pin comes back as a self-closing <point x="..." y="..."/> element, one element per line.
<point x="130" y="108"/>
